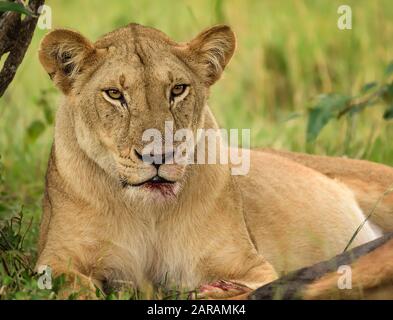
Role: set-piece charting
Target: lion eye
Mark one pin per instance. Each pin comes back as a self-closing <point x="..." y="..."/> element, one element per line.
<point x="178" y="89"/>
<point x="114" y="94"/>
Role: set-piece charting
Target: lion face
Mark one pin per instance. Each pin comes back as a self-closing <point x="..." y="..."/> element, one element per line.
<point x="132" y="80"/>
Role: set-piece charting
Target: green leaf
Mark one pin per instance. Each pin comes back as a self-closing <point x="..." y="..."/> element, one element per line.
<point x="368" y="86"/>
<point x="388" y="114"/>
<point x="389" y="69"/>
<point x="15" y="7"/>
<point x="328" y="107"/>
<point x="48" y="112"/>
<point x="35" y="129"/>
<point x="387" y="94"/>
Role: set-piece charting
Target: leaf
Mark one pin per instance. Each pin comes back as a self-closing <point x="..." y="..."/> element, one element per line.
<point x="48" y="112"/>
<point x="317" y="119"/>
<point x="387" y="94"/>
<point x="388" y="114"/>
<point x="35" y="129"/>
<point x="389" y="69"/>
<point x="368" y="86"/>
<point x="327" y="108"/>
<point x="15" y="7"/>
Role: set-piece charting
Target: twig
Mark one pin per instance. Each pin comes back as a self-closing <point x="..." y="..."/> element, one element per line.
<point x="387" y="191"/>
<point x="361" y="104"/>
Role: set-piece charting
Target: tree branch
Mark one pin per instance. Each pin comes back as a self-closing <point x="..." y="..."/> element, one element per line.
<point x="366" y="262"/>
<point x="15" y="38"/>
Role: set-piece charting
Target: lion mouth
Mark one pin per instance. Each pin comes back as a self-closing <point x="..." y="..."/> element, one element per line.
<point x="156" y="182"/>
<point x="159" y="185"/>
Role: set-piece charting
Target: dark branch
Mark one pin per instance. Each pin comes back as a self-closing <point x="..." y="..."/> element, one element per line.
<point x="15" y="37"/>
<point x="292" y="285"/>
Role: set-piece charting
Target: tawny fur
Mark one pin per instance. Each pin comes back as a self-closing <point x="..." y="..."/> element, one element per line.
<point x="279" y="217"/>
<point x="371" y="183"/>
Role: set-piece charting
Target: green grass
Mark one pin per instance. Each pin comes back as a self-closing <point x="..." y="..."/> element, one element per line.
<point x="288" y="53"/>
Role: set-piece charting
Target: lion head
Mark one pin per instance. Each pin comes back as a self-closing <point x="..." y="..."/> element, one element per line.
<point x="131" y="80"/>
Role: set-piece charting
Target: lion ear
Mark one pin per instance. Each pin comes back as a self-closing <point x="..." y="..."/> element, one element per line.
<point x="211" y="50"/>
<point x="63" y="53"/>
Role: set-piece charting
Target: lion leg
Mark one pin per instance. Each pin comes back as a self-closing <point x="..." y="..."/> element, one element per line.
<point x="75" y="285"/>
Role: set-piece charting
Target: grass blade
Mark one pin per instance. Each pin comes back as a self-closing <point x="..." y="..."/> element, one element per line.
<point x="389" y="190"/>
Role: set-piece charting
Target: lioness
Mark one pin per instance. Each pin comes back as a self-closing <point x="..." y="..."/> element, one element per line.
<point x="110" y="217"/>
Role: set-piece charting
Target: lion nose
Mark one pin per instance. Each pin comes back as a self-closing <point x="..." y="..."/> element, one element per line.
<point x="155" y="159"/>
